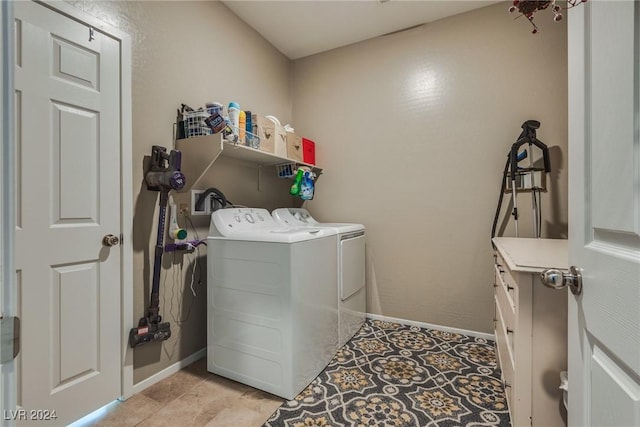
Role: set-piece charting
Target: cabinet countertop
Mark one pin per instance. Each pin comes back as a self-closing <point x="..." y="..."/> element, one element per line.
<point x="533" y="255"/>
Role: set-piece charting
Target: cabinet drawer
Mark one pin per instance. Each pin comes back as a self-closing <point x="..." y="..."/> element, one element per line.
<point x="505" y="359"/>
<point x="505" y="292"/>
<point x="507" y="322"/>
<point x="504" y="278"/>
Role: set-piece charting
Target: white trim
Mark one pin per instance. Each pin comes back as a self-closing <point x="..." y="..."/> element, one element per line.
<point x="432" y="326"/>
<point x="126" y="181"/>
<point x="126" y="206"/>
<point x="170" y="370"/>
<point x="8" y="303"/>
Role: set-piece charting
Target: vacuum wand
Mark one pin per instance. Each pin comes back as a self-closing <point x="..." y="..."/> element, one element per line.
<point x="154" y="305"/>
<point x="163" y="175"/>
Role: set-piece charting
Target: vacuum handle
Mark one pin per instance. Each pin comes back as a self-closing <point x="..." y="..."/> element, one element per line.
<point x="164" y="170"/>
<point x="531" y="124"/>
<point x="545" y="156"/>
<point x="528" y="136"/>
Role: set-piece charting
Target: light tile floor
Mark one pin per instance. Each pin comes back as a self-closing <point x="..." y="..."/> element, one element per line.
<point x="193" y="397"/>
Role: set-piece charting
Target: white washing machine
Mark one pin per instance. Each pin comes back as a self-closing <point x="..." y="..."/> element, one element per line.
<point x="272" y="312"/>
<point x="350" y="243"/>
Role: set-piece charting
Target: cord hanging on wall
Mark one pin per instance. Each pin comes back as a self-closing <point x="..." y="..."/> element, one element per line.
<point x="215" y="197"/>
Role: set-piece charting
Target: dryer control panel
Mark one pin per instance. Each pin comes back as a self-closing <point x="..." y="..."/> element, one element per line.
<point x="294" y="216"/>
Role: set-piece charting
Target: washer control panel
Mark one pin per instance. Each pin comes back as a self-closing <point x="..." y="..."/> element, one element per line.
<point x="225" y="222"/>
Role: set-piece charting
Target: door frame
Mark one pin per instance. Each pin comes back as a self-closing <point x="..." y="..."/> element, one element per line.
<point x="126" y="163"/>
<point x="8" y="304"/>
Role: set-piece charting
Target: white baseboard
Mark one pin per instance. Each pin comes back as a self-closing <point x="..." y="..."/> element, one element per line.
<point x="169" y="370"/>
<point x="431" y="326"/>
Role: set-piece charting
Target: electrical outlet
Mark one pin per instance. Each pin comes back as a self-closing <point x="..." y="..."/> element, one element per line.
<point x="194" y="197"/>
<point x="183" y="208"/>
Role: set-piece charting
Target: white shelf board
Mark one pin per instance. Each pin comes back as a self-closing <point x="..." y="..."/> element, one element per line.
<point x="263" y="158"/>
<point x="200" y="152"/>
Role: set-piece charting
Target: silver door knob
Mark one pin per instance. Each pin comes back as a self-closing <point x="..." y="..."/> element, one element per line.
<point x="110" y="240"/>
<point x="557" y="279"/>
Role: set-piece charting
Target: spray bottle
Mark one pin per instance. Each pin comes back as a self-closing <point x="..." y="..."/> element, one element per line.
<point x="234" y="118"/>
<point x="297" y="183"/>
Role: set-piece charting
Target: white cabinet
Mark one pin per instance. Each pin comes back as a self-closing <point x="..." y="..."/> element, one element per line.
<point x="531" y="329"/>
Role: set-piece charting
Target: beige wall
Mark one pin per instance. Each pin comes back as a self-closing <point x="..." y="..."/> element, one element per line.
<point x="190" y="52"/>
<point x="413" y="130"/>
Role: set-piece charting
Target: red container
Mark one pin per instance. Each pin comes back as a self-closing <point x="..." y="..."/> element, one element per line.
<point x="308" y="151"/>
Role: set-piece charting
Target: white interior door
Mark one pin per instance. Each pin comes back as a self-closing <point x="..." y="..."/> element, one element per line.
<point x="604" y="203"/>
<point x="68" y="132"/>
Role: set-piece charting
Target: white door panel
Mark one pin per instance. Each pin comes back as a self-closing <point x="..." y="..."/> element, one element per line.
<point x="68" y="184"/>
<point x="604" y="203"/>
<point x="351" y="266"/>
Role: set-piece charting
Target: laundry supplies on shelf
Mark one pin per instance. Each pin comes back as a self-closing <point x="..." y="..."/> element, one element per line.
<point x="200" y="153"/>
<point x="303" y="184"/>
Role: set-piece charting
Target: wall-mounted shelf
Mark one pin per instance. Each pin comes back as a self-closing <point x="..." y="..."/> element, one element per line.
<point x="200" y="152"/>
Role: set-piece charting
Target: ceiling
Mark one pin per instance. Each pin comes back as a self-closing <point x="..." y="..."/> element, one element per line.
<point x="304" y="27"/>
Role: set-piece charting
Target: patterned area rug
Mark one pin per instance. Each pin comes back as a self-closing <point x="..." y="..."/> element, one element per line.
<point x="396" y="375"/>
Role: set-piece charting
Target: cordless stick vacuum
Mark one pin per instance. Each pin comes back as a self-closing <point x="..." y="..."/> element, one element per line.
<point x="513" y="173"/>
<point x="163" y="175"/>
<point x="528" y="136"/>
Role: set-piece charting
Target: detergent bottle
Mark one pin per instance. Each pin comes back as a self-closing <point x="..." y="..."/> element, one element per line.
<point x="306" y="186"/>
<point x="242" y="127"/>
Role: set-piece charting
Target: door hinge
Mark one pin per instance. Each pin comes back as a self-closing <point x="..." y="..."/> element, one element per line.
<point x="10" y="337"/>
<point x="121" y="238"/>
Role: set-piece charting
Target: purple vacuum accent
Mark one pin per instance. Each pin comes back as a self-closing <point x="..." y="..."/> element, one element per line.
<point x="177" y="180"/>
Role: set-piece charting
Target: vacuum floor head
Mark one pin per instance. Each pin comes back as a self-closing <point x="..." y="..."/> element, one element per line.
<point x="153" y="332"/>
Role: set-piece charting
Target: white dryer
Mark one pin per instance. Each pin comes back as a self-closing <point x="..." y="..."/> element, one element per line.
<point x="272" y="301"/>
<point x="350" y="243"/>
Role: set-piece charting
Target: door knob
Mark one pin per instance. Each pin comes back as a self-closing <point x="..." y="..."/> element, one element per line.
<point x="557" y="279"/>
<point x="110" y="240"/>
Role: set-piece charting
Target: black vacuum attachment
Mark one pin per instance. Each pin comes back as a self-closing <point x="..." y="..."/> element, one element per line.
<point x="163" y="175"/>
<point x="150" y="333"/>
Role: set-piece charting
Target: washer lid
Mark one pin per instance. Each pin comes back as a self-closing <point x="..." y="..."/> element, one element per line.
<point x="283" y="235"/>
<point x="297" y="217"/>
<point x="345" y="227"/>
<point x="254" y="224"/>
